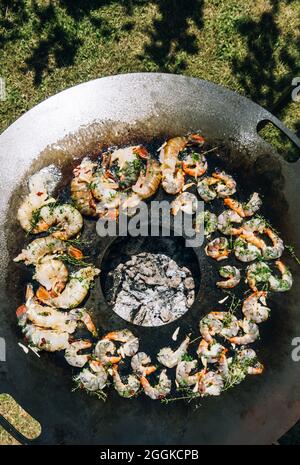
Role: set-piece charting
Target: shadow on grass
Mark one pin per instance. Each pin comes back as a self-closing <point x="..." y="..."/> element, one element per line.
<point x="256" y="72"/>
<point x="56" y="26"/>
<point x="170" y="34"/>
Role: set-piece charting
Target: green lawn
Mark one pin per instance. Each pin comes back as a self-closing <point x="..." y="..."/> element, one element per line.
<point x="250" y="46"/>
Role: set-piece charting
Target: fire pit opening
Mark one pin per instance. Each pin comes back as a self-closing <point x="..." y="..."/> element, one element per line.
<point x="150" y="281"/>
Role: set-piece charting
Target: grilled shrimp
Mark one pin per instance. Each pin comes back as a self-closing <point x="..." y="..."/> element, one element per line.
<point x="210" y="222"/>
<point x="210" y="383"/>
<point x="75" y="291"/>
<point x="52" y="274"/>
<point x="130" y="343"/>
<point x="148" y="183"/>
<point x="140" y="363"/>
<point x="209" y="352"/>
<point x="65" y="217"/>
<point x="48" y="317"/>
<point x="183" y="373"/>
<point x="92" y="381"/>
<point x="258" y="272"/>
<point x="254" y="225"/>
<point x="195" y="165"/>
<point x="172" y="176"/>
<point x="251" y="333"/>
<point x="186" y="202"/>
<point x="170" y="358"/>
<point x="105" y="351"/>
<point x="129" y="204"/>
<point x="40" y="247"/>
<point x="206" y="188"/>
<point x="245" y="209"/>
<point x="226" y="220"/>
<point x="49" y="340"/>
<point x="245" y="251"/>
<point x="218" y="323"/>
<point x="248" y="359"/>
<point x="284" y="283"/>
<point x="36" y="199"/>
<point x="160" y="390"/>
<point x="71" y="353"/>
<point x="276" y="250"/>
<point x="232" y="273"/>
<point x="226" y="185"/>
<point x="253" y="307"/>
<point x="130" y="389"/>
<point x="103" y="187"/>
<point x="218" y="248"/>
<point x="223" y="364"/>
<point x="81" y="187"/>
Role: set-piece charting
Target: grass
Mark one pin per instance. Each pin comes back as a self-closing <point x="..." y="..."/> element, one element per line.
<point x="47" y="46"/>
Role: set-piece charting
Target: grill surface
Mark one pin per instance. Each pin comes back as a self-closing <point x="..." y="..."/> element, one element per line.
<point x="133" y="109"/>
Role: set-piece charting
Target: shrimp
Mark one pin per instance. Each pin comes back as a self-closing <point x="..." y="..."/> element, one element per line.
<point x="31" y="205"/>
<point x="245" y="251"/>
<point x="65" y="217"/>
<point x="251" y="238"/>
<point x="140" y="364"/>
<point x="225" y="221"/>
<point x="81" y="187"/>
<point x="256" y="273"/>
<point x="148" y="183"/>
<point x="195" y="165"/>
<point x="40" y="247"/>
<point x="210" y="383"/>
<point x="251" y="333"/>
<point x="223" y="323"/>
<point x="71" y="353"/>
<point x="209" y="352"/>
<point x="170" y="358"/>
<point x="205" y="190"/>
<point x="210" y="222"/>
<point x="253" y="309"/>
<point x="247" y="358"/>
<point x="172" y="176"/>
<point x="130" y="204"/>
<point x="130" y="389"/>
<point x="183" y="373"/>
<point x="103" y="188"/>
<point x="223" y="364"/>
<point x="226" y="185"/>
<point x="105" y="350"/>
<point x="48" y="317"/>
<point x="232" y="273"/>
<point x="284" y="283"/>
<point x="52" y="274"/>
<point x="186" y="202"/>
<point x="92" y="381"/>
<point x="49" y="340"/>
<point x="276" y="250"/>
<point x="130" y="343"/>
<point x="218" y="249"/>
<point x="254" y="225"/>
<point x="75" y="291"/>
<point x="245" y="209"/>
<point x="160" y="390"/>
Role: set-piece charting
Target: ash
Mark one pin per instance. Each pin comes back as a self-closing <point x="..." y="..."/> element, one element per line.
<point x="151" y="289"/>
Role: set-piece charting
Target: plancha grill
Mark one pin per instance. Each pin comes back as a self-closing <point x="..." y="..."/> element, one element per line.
<point x="128" y="109"/>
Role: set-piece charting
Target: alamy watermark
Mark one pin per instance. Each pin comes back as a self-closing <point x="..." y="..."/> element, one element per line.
<point x="296" y="351"/>
<point x="157" y="219"/>
<point x="2" y="89"/>
<point x="2" y="350"/>
<point x="296" y="90"/>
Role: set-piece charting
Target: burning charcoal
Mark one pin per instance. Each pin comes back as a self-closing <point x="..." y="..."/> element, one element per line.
<point x="151" y="289"/>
